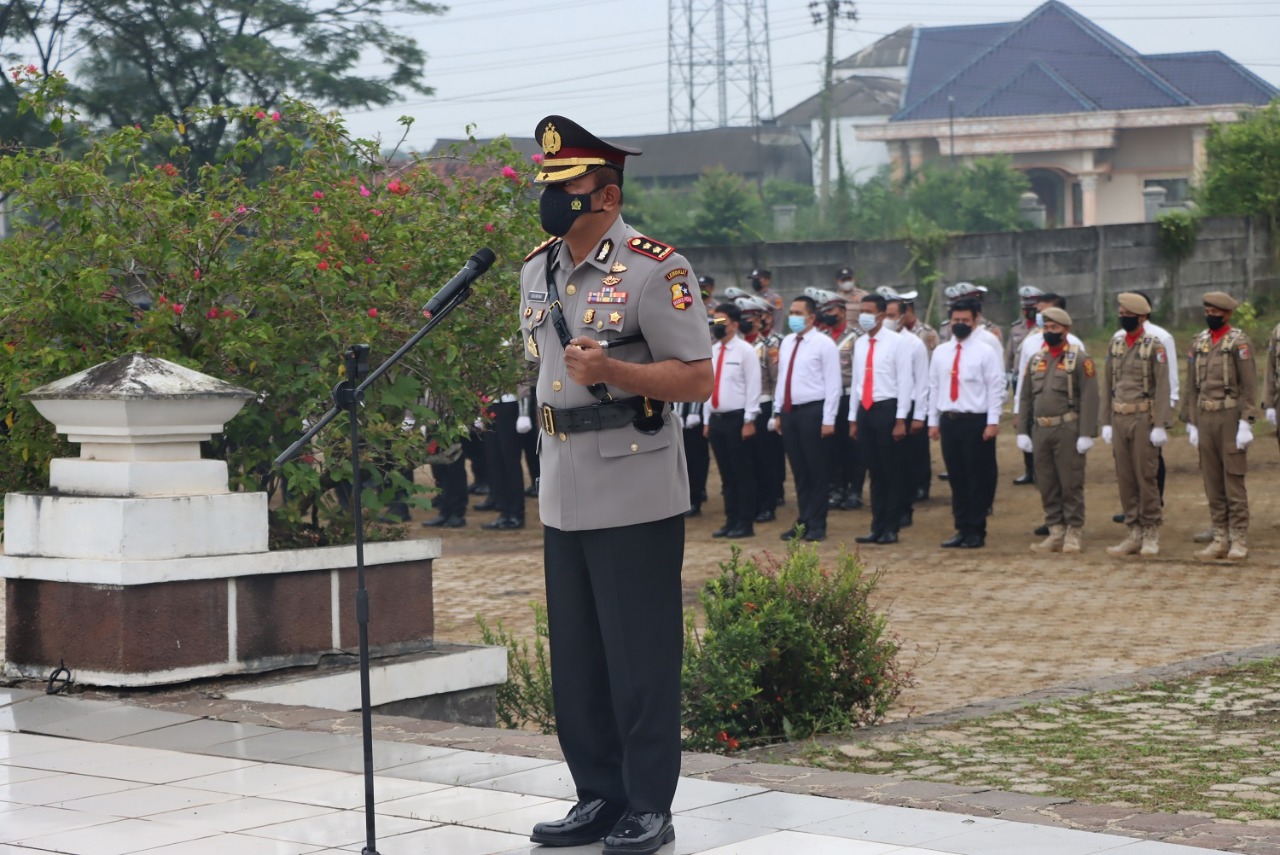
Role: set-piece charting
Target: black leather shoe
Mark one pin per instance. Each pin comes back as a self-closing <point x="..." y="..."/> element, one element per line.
<point x="943" y="476"/>
<point x="436" y="522"/>
<point x="693" y="512"/>
<point x="1024" y="479"/>
<point x="974" y="541"/>
<point x="953" y="542"/>
<point x="852" y="503"/>
<point x="503" y="524"/>
<point x="766" y="516"/>
<point x="922" y="495"/>
<point x="639" y="834"/>
<point x="815" y="536"/>
<point x="486" y="505"/>
<point x="586" y="823"/>
<point x="874" y="537"/>
<point x="479" y="488"/>
<point x="1042" y="531"/>
<point x="723" y="530"/>
<point x="789" y="534"/>
<point x="887" y="538"/>
<point x="907" y="519"/>
<point x="741" y="531"/>
<point x="835" y="498"/>
<point x="1119" y="518"/>
<point x="532" y="492"/>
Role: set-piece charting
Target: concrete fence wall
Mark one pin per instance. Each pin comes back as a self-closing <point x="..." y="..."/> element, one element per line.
<point x="1088" y="266"/>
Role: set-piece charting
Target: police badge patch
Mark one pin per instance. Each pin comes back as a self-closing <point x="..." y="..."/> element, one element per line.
<point x="681" y="299"/>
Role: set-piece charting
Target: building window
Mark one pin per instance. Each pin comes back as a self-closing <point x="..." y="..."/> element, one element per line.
<point x="1177" y="190"/>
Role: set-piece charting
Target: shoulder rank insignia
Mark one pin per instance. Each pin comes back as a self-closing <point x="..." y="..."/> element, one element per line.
<point x="650" y="247"/>
<point x="680" y="297"/>
<point x="541" y="247"/>
<point x="602" y="254"/>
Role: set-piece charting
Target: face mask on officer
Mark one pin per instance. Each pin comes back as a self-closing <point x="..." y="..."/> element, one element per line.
<point x="795" y="323"/>
<point x="558" y="209"/>
<point x="757" y="284"/>
<point x="867" y="321"/>
<point x="1215" y="322"/>
<point x="829" y="319"/>
<point x="1030" y="313"/>
<point x="719" y="331"/>
<point x="891" y="324"/>
<point x="1130" y="323"/>
<point x="1053" y="339"/>
<point x="845" y="285"/>
<point x="961" y="330"/>
<point x="1039" y="319"/>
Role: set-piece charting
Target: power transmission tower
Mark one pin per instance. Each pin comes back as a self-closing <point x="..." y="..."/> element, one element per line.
<point x="829" y="12"/>
<point x="719" y="70"/>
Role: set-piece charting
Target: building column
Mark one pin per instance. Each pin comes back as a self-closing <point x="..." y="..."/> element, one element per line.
<point x="1089" y="200"/>
<point x="915" y="156"/>
<point x="1199" y="154"/>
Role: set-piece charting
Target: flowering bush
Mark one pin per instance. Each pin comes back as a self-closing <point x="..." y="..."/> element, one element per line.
<point x="789" y="650"/>
<point x="262" y="283"/>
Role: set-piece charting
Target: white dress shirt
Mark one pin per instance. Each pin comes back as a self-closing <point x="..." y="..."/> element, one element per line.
<point x="739" y="379"/>
<point x="919" y="374"/>
<point x="816" y="376"/>
<point x="982" y="381"/>
<point x="892" y="372"/>
<point x="1172" y="351"/>
<point x="982" y="335"/>
<point x="1030" y="347"/>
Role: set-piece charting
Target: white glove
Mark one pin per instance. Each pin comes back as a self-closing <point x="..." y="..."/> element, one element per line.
<point x="1271" y="415"/>
<point x="692" y="420"/>
<point x="1193" y="435"/>
<point x="1106" y="434"/>
<point x="524" y="424"/>
<point x="1024" y="443"/>
<point x="772" y="424"/>
<point x="1244" y="435"/>
<point x="1159" y="437"/>
<point x="1083" y="444"/>
<point x="478" y="424"/>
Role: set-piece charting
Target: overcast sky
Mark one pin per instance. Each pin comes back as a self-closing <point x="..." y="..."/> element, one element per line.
<point x="502" y="65"/>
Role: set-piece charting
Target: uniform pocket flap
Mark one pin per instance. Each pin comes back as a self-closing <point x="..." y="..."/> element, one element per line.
<point x="626" y="441"/>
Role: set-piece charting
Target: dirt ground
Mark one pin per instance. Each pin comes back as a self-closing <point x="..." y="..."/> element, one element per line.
<point x="977" y="624"/>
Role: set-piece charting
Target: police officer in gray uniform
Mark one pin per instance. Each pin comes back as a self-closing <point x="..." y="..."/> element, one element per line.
<point x="616" y="325"/>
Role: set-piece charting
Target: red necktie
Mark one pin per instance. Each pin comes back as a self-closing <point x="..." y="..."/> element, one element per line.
<point x="955" y="375"/>
<point x="791" y="367"/>
<point x="868" y="377"/>
<point x="715" y="394"/>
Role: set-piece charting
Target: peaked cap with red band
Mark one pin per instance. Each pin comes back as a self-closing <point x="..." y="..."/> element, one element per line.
<point x="570" y="150"/>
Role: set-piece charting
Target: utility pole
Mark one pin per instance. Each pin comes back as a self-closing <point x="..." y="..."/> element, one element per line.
<point x="828" y="12"/>
<point x="719" y="67"/>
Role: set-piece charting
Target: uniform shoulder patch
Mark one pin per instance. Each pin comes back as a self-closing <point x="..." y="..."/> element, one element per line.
<point x="1089" y="369"/>
<point x="681" y="299"/>
<point x="542" y="247"/>
<point x="650" y="247"/>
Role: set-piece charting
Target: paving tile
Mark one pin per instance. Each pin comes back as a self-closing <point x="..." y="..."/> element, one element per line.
<point x="12" y="696"/>
<point x="553" y="781"/>
<point x="240" y="814"/>
<point x="281" y="745"/>
<point x="194" y="735"/>
<point x="43" y="709"/>
<point x="145" y="801"/>
<point x="239" y="844"/>
<point x="779" y="810"/>
<point x="263" y="779"/>
<point x="466" y="767"/>
<point x="108" y="724"/>
<point x="459" y="804"/>
<point x="1016" y="839"/>
<point x="692" y="793"/>
<point x="899" y="825"/>
<point x="144" y="765"/>
<point x="14" y="746"/>
<point x="348" y="794"/>
<point x="116" y="838"/>
<point x="521" y="820"/>
<point x="60" y="788"/>
<point x="386" y="755"/>
<point x="343" y="828"/>
<point x="1154" y="847"/>
<point x="20" y="825"/>
<point x="453" y="840"/>
<point x="808" y="844"/>
<point x="18" y="774"/>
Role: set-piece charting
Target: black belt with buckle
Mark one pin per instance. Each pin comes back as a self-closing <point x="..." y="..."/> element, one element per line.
<point x="614" y="414"/>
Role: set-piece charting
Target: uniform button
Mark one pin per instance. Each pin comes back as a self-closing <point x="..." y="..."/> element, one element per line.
<point x="571" y="290"/>
<point x="635" y="446"/>
<point x="556" y="386"/>
<point x="563" y="437"/>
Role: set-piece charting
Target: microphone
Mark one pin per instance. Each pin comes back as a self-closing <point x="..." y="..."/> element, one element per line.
<point x="471" y="271"/>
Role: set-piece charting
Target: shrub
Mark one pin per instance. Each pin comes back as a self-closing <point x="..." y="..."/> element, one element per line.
<point x="790" y="649"/>
<point x="525" y="700"/>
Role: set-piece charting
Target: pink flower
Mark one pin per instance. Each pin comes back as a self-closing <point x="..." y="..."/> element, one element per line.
<point x="316" y="209"/>
<point x="398" y="187"/>
<point x="373" y="313"/>
<point x="364" y="191"/>
<point x="317" y="195"/>
<point x="275" y="117"/>
<point x="537" y="158"/>
<point x="212" y="314"/>
<point x="488" y="227"/>
<point x="163" y="299"/>
<point x="368" y="260"/>
<point x="217" y="215"/>
<point x="509" y="172"/>
<point x="242" y="210"/>
<point x="195" y="274"/>
<point x="31" y="69"/>
<point x="177" y="308"/>
<point x="377" y="212"/>
<point x="324" y="265"/>
<point x="259" y="115"/>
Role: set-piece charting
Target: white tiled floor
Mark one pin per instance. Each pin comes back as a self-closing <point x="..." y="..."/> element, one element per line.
<point x="118" y="781"/>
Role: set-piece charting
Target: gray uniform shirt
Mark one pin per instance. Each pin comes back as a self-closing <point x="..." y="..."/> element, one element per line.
<point x="628" y="284"/>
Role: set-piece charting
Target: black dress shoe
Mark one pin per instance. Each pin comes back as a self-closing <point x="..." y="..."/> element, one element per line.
<point x="888" y="537"/>
<point x="723" y="530"/>
<point x="922" y="495"/>
<point x="1024" y="479"/>
<point x="639" y="834"/>
<point x="486" y="505"/>
<point x="741" y="531"/>
<point x="874" y="537"/>
<point x="852" y="503"/>
<point x="1042" y="531"/>
<point x="693" y="512"/>
<point x="974" y="541"/>
<point x="835" y="498"/>
<point x="943" y="476"/>
<point x="790" y="534"/>
<point x="766" y="516"/>
<point x="586" y="823"/>
<point x="479" y="488"/>
<point x="503" y="524"/>
<point x="953" y="542"/>
<point x="1117" y="518"/>
<point x="446" y="522"/>
<point x="436" y="522"/>
<point x="532" y="492"/>
<point x="815" y="536"/>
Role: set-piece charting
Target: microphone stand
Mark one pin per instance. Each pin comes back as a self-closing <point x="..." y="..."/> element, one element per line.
<point x="348" y="396"/>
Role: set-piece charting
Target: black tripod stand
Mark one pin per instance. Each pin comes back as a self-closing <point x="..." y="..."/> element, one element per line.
<point x="348" y="396"/>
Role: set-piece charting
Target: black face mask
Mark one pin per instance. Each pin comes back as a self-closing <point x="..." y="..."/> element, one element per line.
<point x="719" y="331"/>
<point x="745" y="326"/>
<point x="1029" y="312"/>
<point x="558" y="209"/>
<point x="1053" y="339"/>
<point x="1130" y="323"/>
<point x="961" y="331"/>
<point x="829" y="320"/>
<point x="757" y="284"/>
<point x="1215" y="322"/>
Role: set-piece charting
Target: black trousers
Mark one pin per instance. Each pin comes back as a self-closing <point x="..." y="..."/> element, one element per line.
<point x="733" y="459"/>
<point x="697" y="457"/>
<point x="473" y="450"/>
<point x="971" y="465"/>
<point x="502" y="461"/>
<point x="451" y="478"/>
<point x="919" y="467"/>
<point x="529" y="443"/>
<point x="616" y="638"/>
<point x="885" y="464"/>
<point x="769" y="460"/>
<point x="807" y="451"/>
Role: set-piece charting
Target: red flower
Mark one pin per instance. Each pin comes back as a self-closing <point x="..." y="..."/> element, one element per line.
<point x="373" y="313"/>
<point x="317" y="194"/>
<point x="212" y="314"/>
<point x="324" y="265"/>
<point x="259" y="115"/>
<point x="509" y="172"/>
<point x="177" y="308"/>
<point x="733" y="744"/>
<point x="163" y="299"/>
<point x="227" y="313"/>
<point x="488" y="227"/>
<point x="398" y="187"/>
<point x="722" y="737"/>
<point x="196" y="273"/>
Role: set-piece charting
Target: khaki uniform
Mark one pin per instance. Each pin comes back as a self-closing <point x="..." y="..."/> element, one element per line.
<point x="1060" y="399"/>
<point x="1271" y="387"/>
<point x="1018" y="331"/>
<point x="629" y="284"/>
<point x="1135" y="399"/>
<point x="926" y="334"/>
<point x="1221" y="392"/>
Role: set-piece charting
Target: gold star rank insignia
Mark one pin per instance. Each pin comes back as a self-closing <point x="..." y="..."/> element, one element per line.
<point x="615" y="318"/>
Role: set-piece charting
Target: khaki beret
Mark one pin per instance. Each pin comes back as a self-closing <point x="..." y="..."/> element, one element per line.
<point x="1220" y="300"/>
<point x="1058" y="316"/>
<point x="1135" y="303"/>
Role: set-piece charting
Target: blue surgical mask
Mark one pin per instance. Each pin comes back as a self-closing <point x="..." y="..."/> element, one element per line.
<point x="795" y="323"/>
<point x="866" y="320"/>
<point x="1039" y="319"/>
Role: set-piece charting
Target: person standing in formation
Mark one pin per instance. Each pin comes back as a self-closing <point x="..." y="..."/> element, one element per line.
<point x="1018" y="332"/>
<point x="883" y="389"/>
<point x="986" y="332"/>
<point x="919" y="466"/>
<point x="809" y="389"/>
<point x="1220" y="408"/>
<point x="767" y="456"/>
<point x="729" y="417"/>
<point x="1271" y="389"/>
<point x="966" y="395"/>
<point x="846" y="470"/>
<point x="614" y="487"/>
<point x="1060" y="398"/>
<point x="762" y="283"/>
<point x="1136" y="416"/>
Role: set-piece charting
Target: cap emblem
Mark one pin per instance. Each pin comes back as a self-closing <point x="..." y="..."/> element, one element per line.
<point x="550" y="139"/>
